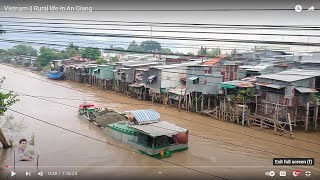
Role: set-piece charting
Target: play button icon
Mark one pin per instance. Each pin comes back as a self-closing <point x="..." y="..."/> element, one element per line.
<point x="13" y="173"/>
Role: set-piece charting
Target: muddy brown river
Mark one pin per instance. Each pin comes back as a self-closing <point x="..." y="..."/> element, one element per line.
<point x="217" y="149"/>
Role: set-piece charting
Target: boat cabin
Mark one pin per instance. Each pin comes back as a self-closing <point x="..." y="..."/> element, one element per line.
<point x="145" y="132"/>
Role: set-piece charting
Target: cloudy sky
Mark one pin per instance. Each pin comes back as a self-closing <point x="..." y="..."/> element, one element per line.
<point x="151" y="12"/>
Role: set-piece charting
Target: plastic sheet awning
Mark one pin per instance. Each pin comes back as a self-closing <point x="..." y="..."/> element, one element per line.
<point x="227" y="86"/>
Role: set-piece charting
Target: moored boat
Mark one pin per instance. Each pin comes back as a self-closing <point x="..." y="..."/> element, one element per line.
<point x="54" y="74"/>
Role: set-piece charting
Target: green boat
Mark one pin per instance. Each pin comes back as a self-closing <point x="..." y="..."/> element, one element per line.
<point x="141" y="129"/>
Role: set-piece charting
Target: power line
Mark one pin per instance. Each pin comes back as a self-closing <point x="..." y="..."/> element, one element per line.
<point x="107" y="49"/>
<point x="168" y="45"/>
<point x="165" y="113"/>
<point x="146" y="23"/>
<point x="84" y="135"/>
<point x="168" y="31"/>
<point x="128" y="43"/>
<point x="170" y="38"/>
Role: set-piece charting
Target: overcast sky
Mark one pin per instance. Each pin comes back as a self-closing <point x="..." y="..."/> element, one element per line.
<point x="262" y="17"/>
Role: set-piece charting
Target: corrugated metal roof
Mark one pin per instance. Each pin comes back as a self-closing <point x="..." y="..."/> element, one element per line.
<point x="182" y="65"/>
<point x="215" y="60"/>
<point x="143" y="64"/>
<point x="162" y="128"/>
<point x="254" y="68"/>
<point x="292" y="75"/>
<point x="146" y="116"/>
<point x="124" y="68"/>
<point x="275" y="86"/>
<point x="306" y="90"/>
<point x="250" y="79"/>
<point x="301" y="72"/>
<point x="285" y="78"/>
<point x="212" y="61"/>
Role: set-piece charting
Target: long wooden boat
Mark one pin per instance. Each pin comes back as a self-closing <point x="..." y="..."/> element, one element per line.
<point x="141" y="129"/>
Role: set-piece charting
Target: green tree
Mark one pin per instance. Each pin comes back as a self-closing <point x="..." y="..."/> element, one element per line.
<point x="72" y="50"/>
<point x="214" y="52"/>
<point x="91" y="53"/>
<point x="166" y="51"/>
<point x="179" y="53"/>
<point x="114" y="59"/>
<point x="24" y="50"/>
<point x="133" y="46"/>
<point x="150" y="46"/>
<point x="114" y="50"/>
<point x="233" y="54"/>
<point x="190" y="54"/>
<point x="49" y="54"/>
<point x="203" y="51"/>
<point x="72" y="46"/>
<point x="3" y="54"/>
<point x="119" y="48"/>
<point x="101" y="61"/>
<point x="6" y="101"/>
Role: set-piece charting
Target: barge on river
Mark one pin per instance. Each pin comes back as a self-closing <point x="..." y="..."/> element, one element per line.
<point x="141" y="129"/>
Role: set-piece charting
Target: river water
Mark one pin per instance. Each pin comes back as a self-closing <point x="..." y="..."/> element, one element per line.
<point x="216" y="148"/>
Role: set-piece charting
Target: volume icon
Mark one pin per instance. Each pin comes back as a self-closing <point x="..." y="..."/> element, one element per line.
<point x="40" y="173"/>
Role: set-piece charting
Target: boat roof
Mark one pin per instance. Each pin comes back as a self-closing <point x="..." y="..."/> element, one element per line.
<point x="145" y="116"/>
<point x="162" y="128"/>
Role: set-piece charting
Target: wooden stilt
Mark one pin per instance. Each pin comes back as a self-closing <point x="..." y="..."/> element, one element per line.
<point x="242" y="122"/>
<point x="306" y="123"/>
<point x="256" y="110"/>
<point x="266" y="109"/>
<point x="315" y="117"/>
<point x="180" y="101"/>
<point x="196" y="100"/>
<point x="201" y="102"/>
<point x="295" y="115"/>
<point x="224" y="110"/>
<point x="190" y="101"/>
<point x="209" y="98"/>
<point x="290" y="125"/>
<point x="275" y="119"/>
<point x="186" y="101"/>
